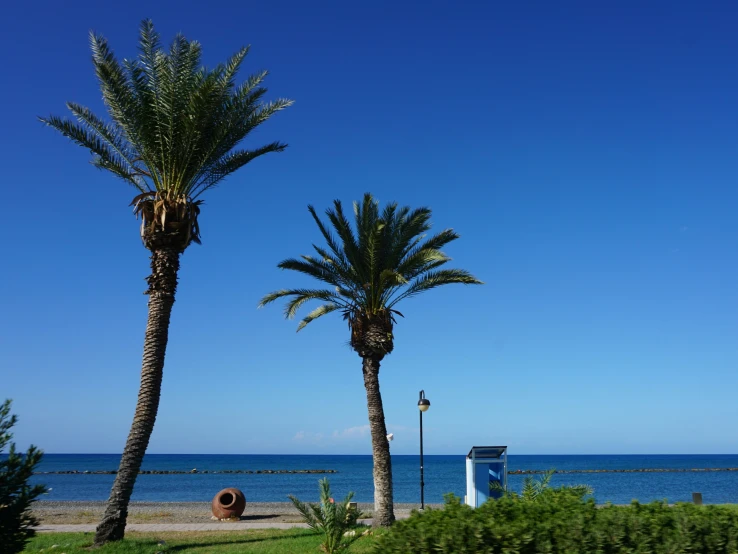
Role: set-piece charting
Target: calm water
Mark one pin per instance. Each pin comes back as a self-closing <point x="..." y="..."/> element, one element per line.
<point x="442" y="474"/>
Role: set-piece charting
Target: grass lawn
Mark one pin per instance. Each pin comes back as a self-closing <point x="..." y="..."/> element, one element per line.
<point x="267" y="541"/>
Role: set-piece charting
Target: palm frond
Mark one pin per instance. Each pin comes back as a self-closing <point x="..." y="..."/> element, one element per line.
<point x="438" y="241"/>
<point x="175" y="127"/>
<point x="307" y="512"/>
<point x="106" y="154"/>
<point x="184" y="58"/>
<point x="230" y="163"/>
<point x="319" y="270"/>
<point x="122" y="104"/>
<point x="327" y="235"/>
<point x="300" y="297"/>
<point x="350" y="244"/>
<point x="420" y="262"/>
<point x="528" y="491"/>
<point x="144" y="76"/>
<point x="331" y="519"/>
<point x="540" y="490"/>
<point x="373" y="264"/>
<point x="435" y="279"/>
<point x="111" y="133"/>
<point x="545" y="479"/>
<point x="306" y="296"/>
<point x="578" y="490"/>
<point x="391" y="278"/>
<point x="534" y="488"/>
<point x="366" y="216"/>
<point x="340" y="265"/>
<point x="239" y="118"/>
<point x="411" y="231"/>
<point x="231" y="67"/>
<point x="318" y="312"/>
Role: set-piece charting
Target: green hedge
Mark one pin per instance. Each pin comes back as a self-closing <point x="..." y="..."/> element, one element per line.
<point x="563" y="523"/>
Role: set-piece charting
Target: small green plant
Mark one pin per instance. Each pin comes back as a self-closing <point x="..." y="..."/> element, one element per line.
<point x="537" y="489"/>
<point x="16" y="495"/>
<point x="335" y="520"/>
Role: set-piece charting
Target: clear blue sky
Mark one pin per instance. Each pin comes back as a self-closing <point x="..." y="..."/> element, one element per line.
<point x="587" y="152"/>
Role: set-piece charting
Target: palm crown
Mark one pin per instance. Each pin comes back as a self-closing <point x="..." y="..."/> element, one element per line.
<point x="386" y="259"/>
<point x="174" y="124"/>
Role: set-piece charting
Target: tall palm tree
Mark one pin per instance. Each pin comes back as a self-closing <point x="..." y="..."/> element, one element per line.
<point x="173" y="131"/>
<point x="370" y="269"/>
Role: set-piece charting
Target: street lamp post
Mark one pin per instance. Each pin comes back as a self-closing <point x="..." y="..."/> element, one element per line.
<point x="423" y="405"/>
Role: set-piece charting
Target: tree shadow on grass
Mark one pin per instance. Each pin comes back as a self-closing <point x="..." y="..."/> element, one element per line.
<point x="257" y="517"/>
<point x="242" y="540"/>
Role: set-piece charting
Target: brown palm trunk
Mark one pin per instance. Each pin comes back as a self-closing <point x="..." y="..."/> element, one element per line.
<point x="384" y="514"/>
<point x="162" y="288"/>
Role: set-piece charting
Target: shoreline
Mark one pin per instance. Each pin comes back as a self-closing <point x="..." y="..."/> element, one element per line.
<point x="70" y="512"/>
<point x="80" y="511"/>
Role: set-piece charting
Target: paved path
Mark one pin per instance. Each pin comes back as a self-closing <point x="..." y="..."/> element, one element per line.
<point x="164" y="527"/>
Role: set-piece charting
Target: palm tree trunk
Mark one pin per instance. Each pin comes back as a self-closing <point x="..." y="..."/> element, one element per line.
<point x="384" y="514"/>
<point x="162" y="288"/>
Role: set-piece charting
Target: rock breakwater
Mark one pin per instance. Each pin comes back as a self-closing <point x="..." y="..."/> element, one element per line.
<point x="631" y="470"/>
<point x="190" y="472"/>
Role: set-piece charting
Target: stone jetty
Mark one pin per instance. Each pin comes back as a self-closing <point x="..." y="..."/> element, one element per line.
<point x="190" y="472"/>
<point x="632" y="470"/>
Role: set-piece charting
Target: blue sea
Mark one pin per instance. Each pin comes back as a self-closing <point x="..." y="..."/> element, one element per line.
<point x="443" y="474"/>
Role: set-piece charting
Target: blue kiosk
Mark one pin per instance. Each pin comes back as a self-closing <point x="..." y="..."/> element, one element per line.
<point x="485" y="465"/>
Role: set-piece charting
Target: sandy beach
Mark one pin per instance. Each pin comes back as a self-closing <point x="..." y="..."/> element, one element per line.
<point x="56" y="512"/>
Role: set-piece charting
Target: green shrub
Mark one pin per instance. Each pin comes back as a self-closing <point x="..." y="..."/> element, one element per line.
<point x="16" y="495"/>
<point x="335" y="520"/>
<point x="560" y="522"/>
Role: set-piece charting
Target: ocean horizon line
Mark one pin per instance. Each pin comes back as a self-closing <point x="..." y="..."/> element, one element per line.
<point x="370" y="454"/>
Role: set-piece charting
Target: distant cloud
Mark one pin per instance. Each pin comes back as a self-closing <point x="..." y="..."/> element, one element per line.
<point x="351" y="432"/>
<point x="402" y="429"/>
<point x="357" y="433"/>
<point x="307" y="436"/>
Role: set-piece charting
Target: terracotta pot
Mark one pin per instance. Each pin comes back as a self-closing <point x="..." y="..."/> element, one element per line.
<point x="229" y="503"/>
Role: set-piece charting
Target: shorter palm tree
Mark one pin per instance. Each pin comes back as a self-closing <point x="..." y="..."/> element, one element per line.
<point x="385" y="259"/>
